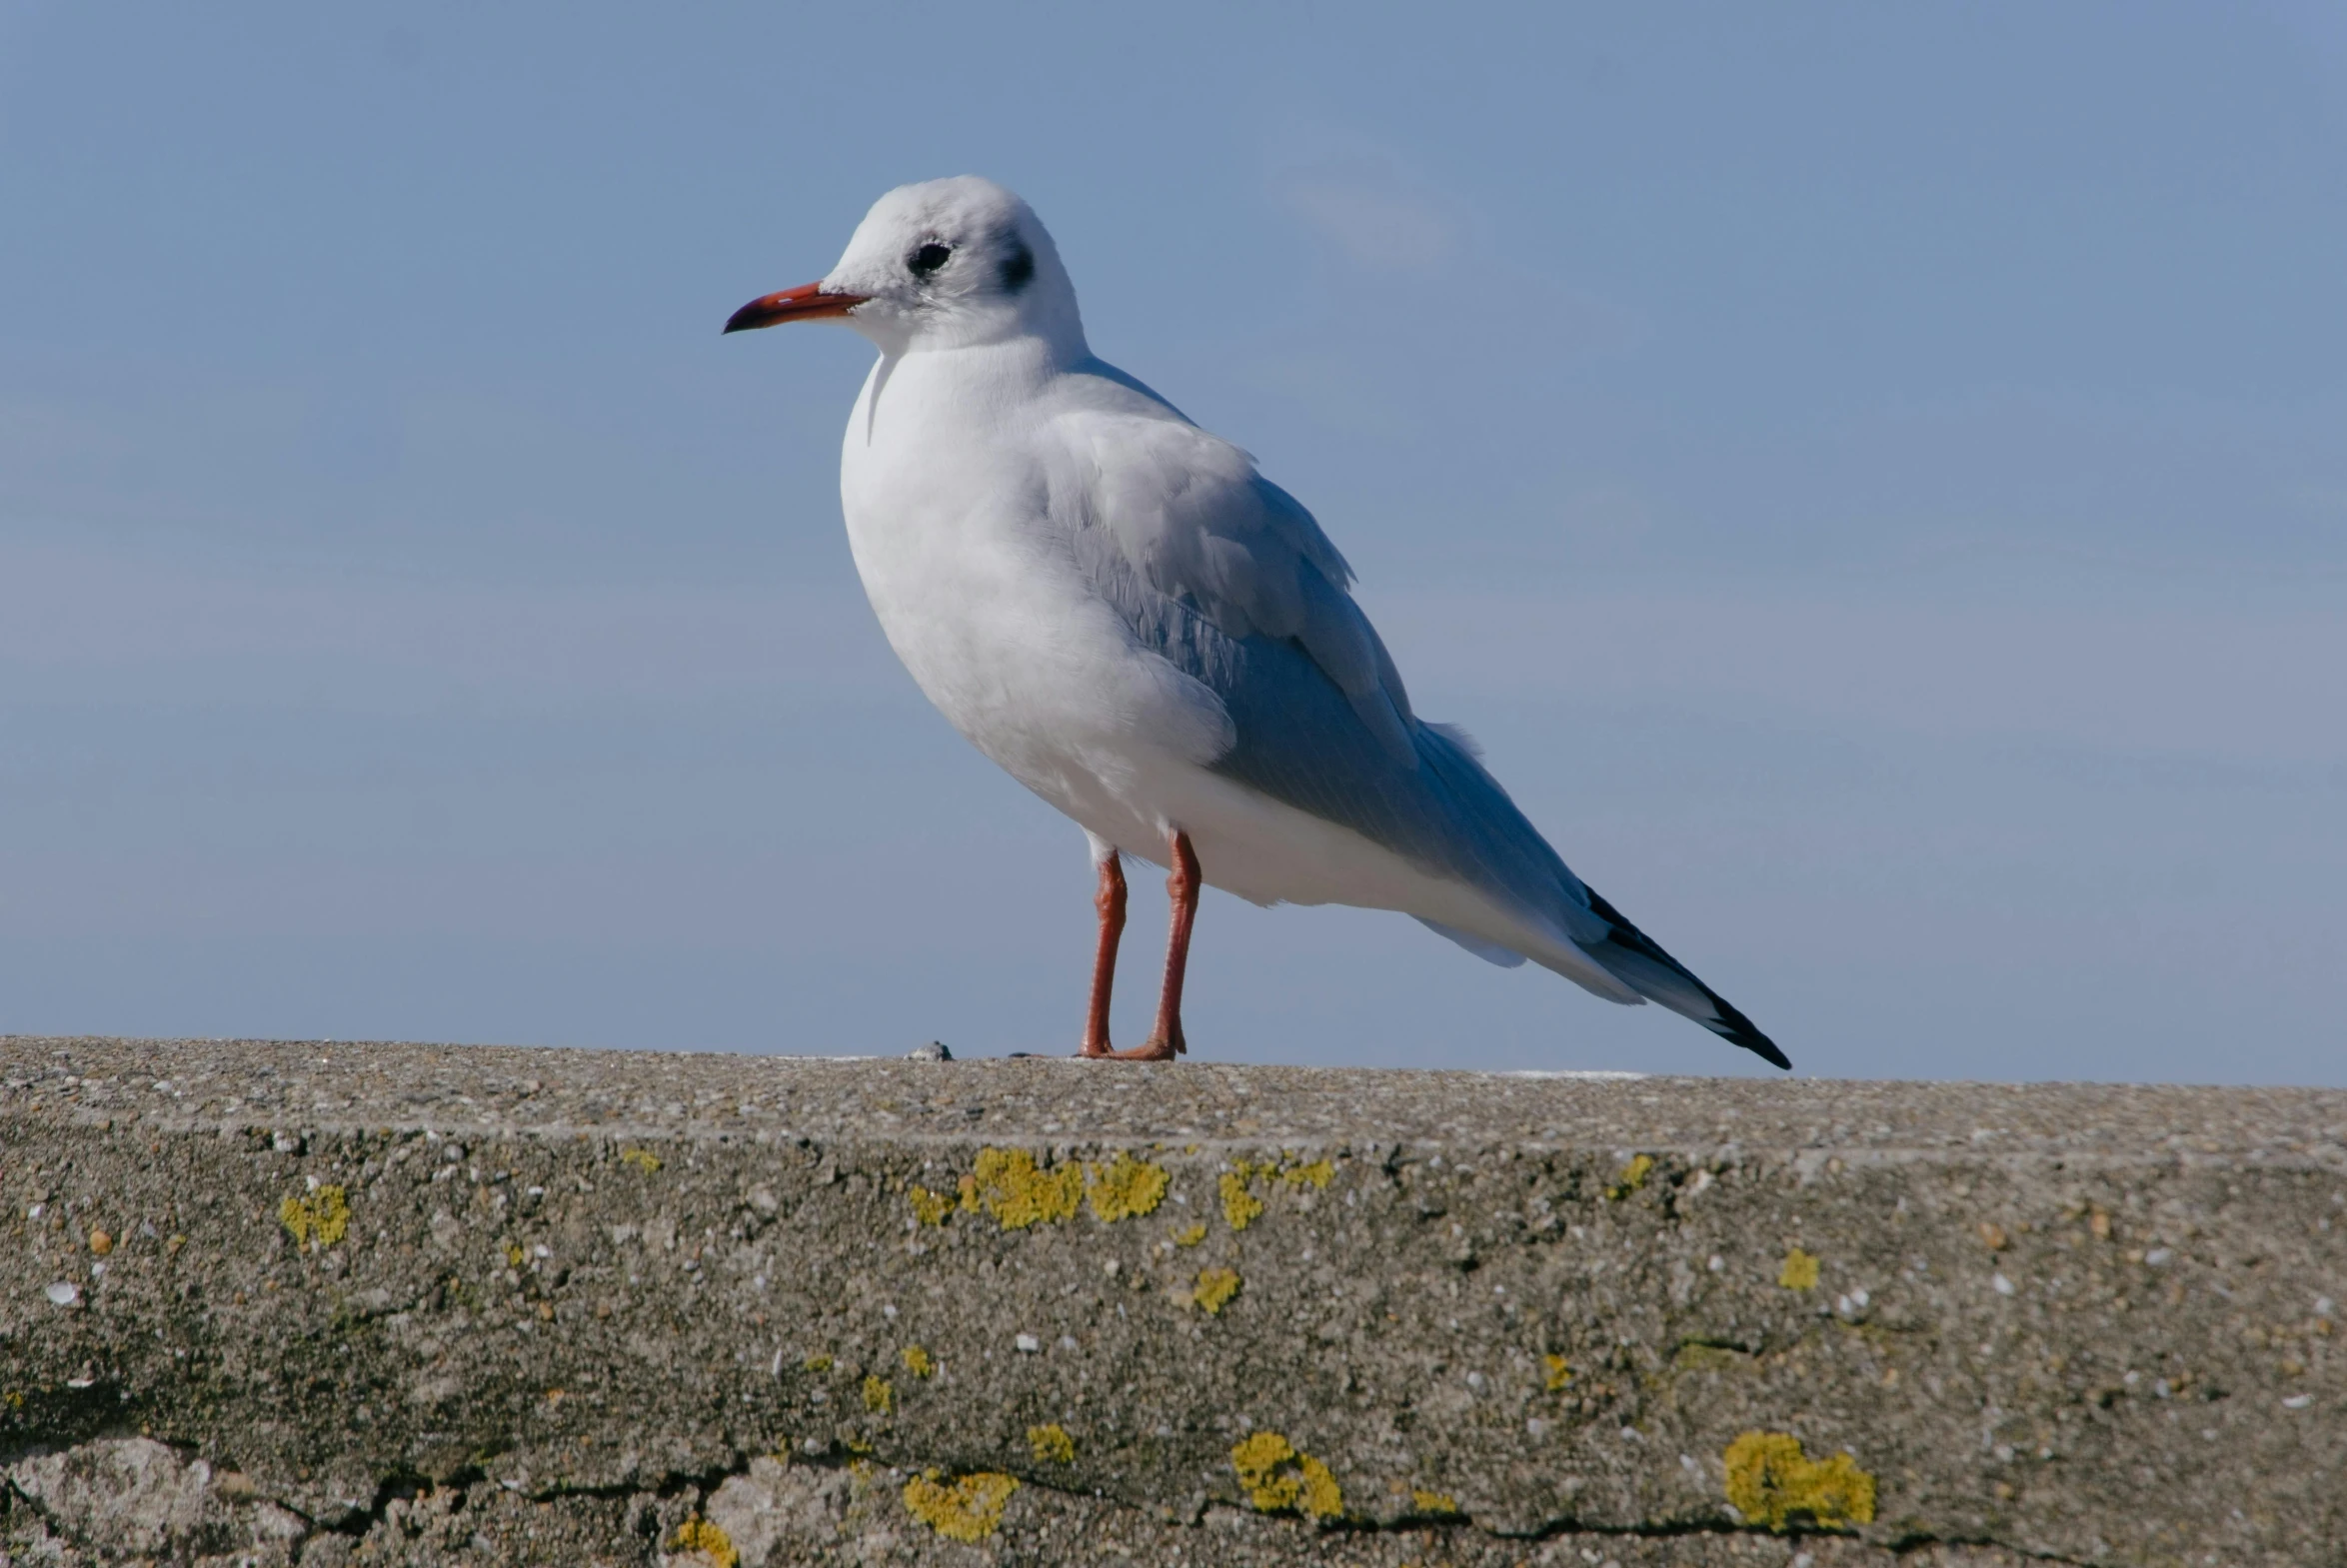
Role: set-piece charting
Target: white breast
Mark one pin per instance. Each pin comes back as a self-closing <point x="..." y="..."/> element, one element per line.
<point x="947" y="503"/>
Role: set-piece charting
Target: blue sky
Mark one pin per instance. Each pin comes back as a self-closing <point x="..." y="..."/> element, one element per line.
<point x="1875" y="479"/>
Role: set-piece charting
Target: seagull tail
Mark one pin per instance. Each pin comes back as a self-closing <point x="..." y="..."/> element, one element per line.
<point x="1639" y="962"/>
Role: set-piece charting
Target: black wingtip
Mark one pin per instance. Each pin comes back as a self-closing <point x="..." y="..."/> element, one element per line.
<point x="1763" y="1048"/>
<point x="1734" y="1027"/>
<point x="1727" y="1020"/>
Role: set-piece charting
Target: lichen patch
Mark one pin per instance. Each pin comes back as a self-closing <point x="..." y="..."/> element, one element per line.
<point x="711" y="1543"/>
<point x="1439" y="1504"/>
<point x="1125" y="1188"/>
<point x="643" y="1159"/>
<point x="878" y="1396"/>
<point x="1190" y="1235"/>
<point x="1555" y="1372"/>
<point x="1216" y="1287"/>
<point x="1771" y="1482"/>
<point x="1020" y="1192"/>
<point x="1318" y="1173"/>
<point x="969" y="1509"/>
<point x="1799" y="1271"/>
<point x="322" y="1217"/>
<point x="1051" y="1445"/>
<point x="1239" y="1206"/>
<point x="1277" y="1478"/>
<point x="1631" y="1177"/>
<point x="1697" y="1356"/>
<point x="1010" y="1185"/>
<point x="917" y="1361"/>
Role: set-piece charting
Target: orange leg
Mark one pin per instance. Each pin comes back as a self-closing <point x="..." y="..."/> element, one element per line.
<point x="1110" y="902"/>
<point x="1165" y="1042"/>
<point x="1181" y="890"/>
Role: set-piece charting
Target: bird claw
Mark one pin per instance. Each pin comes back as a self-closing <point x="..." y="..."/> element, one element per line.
<point x="1159" y="1048"/>
<point x="1155" y="1048"/>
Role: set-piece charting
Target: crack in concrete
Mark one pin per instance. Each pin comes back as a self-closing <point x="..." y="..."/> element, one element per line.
<point x="408" y="1486"/>
<point x="1920" y="1541"/>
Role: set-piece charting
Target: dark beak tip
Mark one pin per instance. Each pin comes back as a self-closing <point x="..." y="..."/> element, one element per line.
<point x="808" y="301"/>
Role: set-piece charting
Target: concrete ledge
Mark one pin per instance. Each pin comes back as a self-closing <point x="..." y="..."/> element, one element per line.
<point x="335" y="1304"/>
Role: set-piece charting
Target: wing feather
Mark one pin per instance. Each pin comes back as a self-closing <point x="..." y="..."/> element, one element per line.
<point x="1199" y="526"/>
<point x="1231" y="579"/>
<point x="1228" y="577"/>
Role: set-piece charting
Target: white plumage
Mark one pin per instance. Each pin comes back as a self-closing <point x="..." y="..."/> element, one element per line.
<point x="1118" y="610"/>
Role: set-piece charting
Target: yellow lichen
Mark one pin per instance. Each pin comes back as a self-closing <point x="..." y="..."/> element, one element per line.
<point x="1125" y="1188"/>
<point x="1276" y="1477"/>
<point x="878" y="1397"/>
<point x="1239" y="1206"/>
<point x="643" y="1159"/>
<point x="917" y="1361"/>
<point x="1010" y="1187"/>
<point x="817" y="1363"/>
<point x="1772" y="1482"/>
<point x="969" y="1509"/>
<point x="1318" y="1174"/>
<point x="1189" y="1236"/>
<point x="514" y="1254"/>
<point x="1426" y="1502"/>
<point x="1051" y="1445"/>
<point x="322" y="1217"/>
<point x="1216" y="1287"/>
<point x="1694" y="1356"/>
<point x="930" y="1209"/>
<point x="1633" y="1176"/>
<point x="699" y="1535"/>
<point x="1799" y="1271"/>
<point x="1559" y="1372"/>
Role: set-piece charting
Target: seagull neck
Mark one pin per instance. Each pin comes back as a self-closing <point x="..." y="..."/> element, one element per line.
<point x="1024" y="361"/>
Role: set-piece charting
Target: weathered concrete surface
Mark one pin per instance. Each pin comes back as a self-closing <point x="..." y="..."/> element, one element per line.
<point x="337" y="1303"/>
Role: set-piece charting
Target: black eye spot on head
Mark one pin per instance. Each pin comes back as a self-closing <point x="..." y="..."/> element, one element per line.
<point x="929" y="259"/>
<point x="1018" y="267"/>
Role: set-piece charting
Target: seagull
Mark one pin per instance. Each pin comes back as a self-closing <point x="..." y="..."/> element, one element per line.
<point x="1129" y="618"/>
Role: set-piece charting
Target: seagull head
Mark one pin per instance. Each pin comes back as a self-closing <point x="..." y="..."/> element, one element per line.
<point x="944" y="264"/>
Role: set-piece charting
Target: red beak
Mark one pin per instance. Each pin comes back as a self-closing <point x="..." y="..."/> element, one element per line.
<point x="808" y="301"/>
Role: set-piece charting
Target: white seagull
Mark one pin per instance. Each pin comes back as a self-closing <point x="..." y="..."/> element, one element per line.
<point x="1119" y="611"/>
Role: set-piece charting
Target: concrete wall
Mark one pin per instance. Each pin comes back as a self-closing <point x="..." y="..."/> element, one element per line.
<point x="336" y="1304"/>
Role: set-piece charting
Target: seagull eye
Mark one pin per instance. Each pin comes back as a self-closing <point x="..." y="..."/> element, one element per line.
<point x="929" y="259"/>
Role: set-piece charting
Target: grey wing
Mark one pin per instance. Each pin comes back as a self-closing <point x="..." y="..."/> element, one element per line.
<point x="1201" y="526"/>
<point x="1229" y="578"/>
<point x="1227" y="575"/>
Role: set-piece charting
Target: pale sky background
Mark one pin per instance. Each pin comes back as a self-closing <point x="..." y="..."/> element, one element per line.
<point x="1874" y="478"/>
